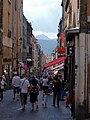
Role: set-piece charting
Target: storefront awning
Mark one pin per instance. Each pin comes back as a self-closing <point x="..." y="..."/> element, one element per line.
<point x="56" y="61"/>
<point x="58" y="66"/>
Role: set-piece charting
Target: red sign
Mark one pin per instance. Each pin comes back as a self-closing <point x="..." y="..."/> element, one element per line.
<point x="62" y="37"/>
<point x="61" y="50"/>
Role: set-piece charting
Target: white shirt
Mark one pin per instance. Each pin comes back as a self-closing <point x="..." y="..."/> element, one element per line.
<point x="16" y="81"/>
<point x="45" y="82"/>
<point x="24" y="85"/>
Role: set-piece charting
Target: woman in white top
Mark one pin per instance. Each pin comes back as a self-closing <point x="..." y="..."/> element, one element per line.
<point x="45" y="91"/>
<point x="16" y="85"/>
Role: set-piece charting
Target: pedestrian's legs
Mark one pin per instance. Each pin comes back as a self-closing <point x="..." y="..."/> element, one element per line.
<point x="32" y="106"/>
<point x="58" y="97"/>
<point x="1" y="94"/>
<point x="17" y="94"/>
<point x="45" y="100"/>
<point x="54" y="98"/>
<point x="23" y="100"/>
<point x="14" y="92"/>
<point x="36" y="105"/>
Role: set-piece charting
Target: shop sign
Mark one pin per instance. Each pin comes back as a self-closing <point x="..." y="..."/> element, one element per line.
<point x="61" y="50"/>
<point x="62" y="37"/>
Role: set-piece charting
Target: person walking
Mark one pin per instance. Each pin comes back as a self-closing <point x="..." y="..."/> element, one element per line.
<point x="34" y="92"/>
<point x="2" y="86"/>
<point x="56" y="90"/>
<point x="16" y="85"/>
<point x="45" y="91"/>
<point x="24" y="86"/>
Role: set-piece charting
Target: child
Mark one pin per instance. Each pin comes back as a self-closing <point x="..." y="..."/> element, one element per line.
<point x="44" y="100"/>
<point x="67" y="101"/>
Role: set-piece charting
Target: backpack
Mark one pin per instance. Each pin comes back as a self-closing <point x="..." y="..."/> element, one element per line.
<point x="34" y="89"/>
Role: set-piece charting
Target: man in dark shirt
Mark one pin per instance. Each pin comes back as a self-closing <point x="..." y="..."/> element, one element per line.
<point x="56" y="90"/>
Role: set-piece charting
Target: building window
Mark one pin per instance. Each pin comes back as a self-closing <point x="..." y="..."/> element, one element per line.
<point x="8" y="21"/>
<point x="77" y="4"/>
<point x="70" y="16"/>
<point x="15" y="5"/>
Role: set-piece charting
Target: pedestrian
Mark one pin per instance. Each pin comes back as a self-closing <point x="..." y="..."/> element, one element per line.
<point x="62" y="91"/>
<point x="34" y="92"/>
<point x="2" y="86"/>
<point x="40" y="82"/>
<point x="67" y="100"/>
<point x="56" y="90"/>
<point x="24" y="90"/>
<point x="16" y="86"/>
<point x="45" y="91"/>
<point x="4" y="78"/>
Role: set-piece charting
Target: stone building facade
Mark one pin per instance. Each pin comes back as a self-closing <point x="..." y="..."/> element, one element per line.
<point x="76" y="27"/>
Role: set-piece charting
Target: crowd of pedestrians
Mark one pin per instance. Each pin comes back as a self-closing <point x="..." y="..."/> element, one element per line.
<point x="31" y="85"/>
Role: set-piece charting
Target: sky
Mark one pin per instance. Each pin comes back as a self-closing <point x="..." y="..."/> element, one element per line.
<point x="44" y="16"/>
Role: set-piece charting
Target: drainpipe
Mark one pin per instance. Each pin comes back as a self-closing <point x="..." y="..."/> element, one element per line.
<point x="86" y="72"/>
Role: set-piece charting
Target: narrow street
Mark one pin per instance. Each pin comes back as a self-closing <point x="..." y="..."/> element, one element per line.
<point x="11" y="110"/>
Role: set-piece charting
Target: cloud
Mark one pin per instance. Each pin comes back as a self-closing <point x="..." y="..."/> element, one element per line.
<point x="43" y="14"/>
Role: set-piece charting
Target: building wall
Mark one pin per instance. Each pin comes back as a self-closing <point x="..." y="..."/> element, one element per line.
<point x="11" y="33"/>
<point x="88" y="70"/>
<point x="77" y="62"/>
<point x="7" y="37"/>
<point x="24" y="40"/>
<point x="82" y="68"/>
<point x="88" y="10"/>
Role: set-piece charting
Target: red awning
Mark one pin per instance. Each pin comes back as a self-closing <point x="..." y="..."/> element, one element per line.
<point x="57" y="66"/>
<point x="56" y="61"/>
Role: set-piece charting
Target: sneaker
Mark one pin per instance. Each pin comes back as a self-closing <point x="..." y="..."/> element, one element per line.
<point x="23" y="109"/>
<point x="45" y="105"/>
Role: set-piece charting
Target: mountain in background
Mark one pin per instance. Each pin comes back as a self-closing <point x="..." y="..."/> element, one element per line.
<point x="47" y="44"/>
<point x="42" y="36"/>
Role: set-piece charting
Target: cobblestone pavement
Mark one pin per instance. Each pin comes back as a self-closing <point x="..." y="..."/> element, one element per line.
<point x="11" y="110"/>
